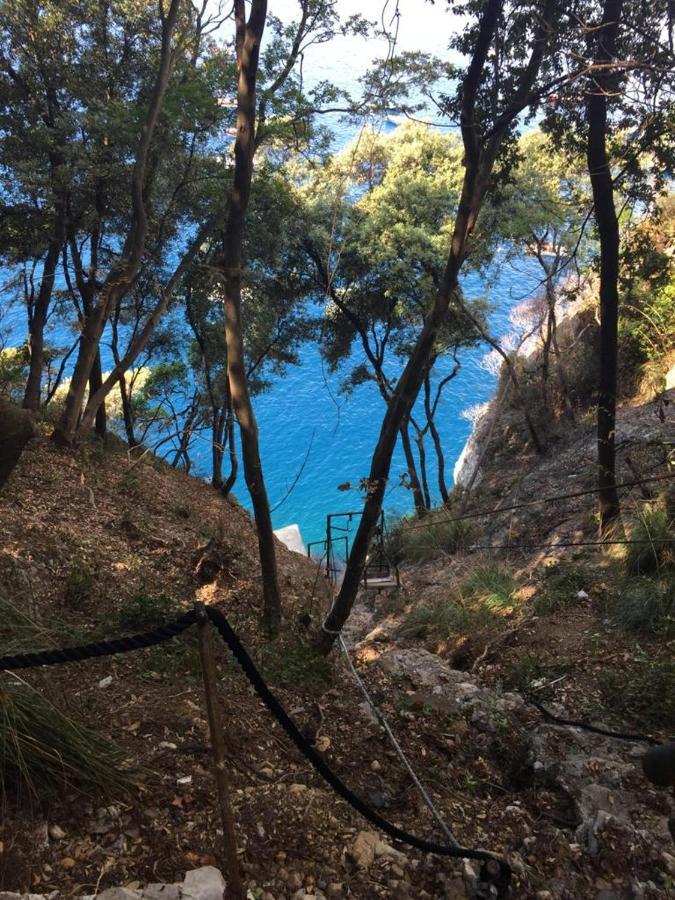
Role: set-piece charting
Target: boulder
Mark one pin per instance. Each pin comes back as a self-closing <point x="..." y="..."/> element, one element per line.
<point x="205" y="883"/>
<point x="16" y="429"/>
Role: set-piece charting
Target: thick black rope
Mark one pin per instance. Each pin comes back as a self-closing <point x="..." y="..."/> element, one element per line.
<point x="99" y="648"/>
<point x="308" y="751"/>
<point x="595" y="729"/>
<point x="494" y="869"/>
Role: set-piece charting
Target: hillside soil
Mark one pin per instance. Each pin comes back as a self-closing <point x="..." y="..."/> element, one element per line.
<point x="91" y="538"/>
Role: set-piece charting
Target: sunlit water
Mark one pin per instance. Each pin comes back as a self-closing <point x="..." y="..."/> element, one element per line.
<point x="314" y="438"/>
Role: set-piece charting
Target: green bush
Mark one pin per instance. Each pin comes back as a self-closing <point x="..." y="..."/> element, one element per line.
<point x="41" y="747"/>
<point x="443" y="619"/>
<point x="13" y="372"/>
<point x="652" y="528"/>
<point x="645" y="605"/>
<point x="145" y="611"/>
<point x="491" y="587"/>
<point x="420" y="540"/>
<point x="299" y="663"/>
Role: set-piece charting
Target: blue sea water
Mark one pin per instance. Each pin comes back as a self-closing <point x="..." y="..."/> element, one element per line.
<point x="313" y="438"/>
<point x="305" y="422"/>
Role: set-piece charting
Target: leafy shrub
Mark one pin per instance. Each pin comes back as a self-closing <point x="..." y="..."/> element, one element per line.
<point x="645" y="605"/>
<point x="41" y="747"/>
<point x="443" y="619"/>
<point x="653" y="528"/>
<point x="559" y="587"/>
<point x="13" y="372"/>
<point x="299" y="663"/>
<point x="145" y="611"/>
<point x="491" y="587"/>
<point x="419" y="540"/>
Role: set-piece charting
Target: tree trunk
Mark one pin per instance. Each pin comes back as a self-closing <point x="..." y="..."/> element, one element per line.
<point x="599" y="170"/>
<point x="90" y="337"/>
<point x="430" y="412"/>
<point x="478" y="160"/>
<point x="234" y="460"/>
<point x="95" y="380"/>
<point x="249" y="35"/>
<point x="416" y="487"/>
<point x="36" y="339"/>
<point x="122" y="275"/>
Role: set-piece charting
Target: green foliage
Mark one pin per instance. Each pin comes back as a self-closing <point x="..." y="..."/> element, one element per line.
<point x="523" y="672"/>
<point x="41" y="747"/>
<point x="419" y="540"/>
<point x="491" y="587"/>
<point x="80" y="583"/>
<point x="647" y="309"/>
<point x="645" y="605"/>
<point x="653" y="527"/>
<point x="559" y="587"/>
<point x="443" y="619"/>
<point x="145" y="611"/>
<point x="298" y="663"/>
<point x="13" y="372"/>
<point x="485" y="592"/>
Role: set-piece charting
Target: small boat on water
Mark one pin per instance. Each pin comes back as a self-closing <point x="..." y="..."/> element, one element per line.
<point x="395" y="117"/>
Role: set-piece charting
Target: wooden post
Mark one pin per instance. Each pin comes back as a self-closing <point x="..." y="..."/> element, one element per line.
<point x="235" y="887"/>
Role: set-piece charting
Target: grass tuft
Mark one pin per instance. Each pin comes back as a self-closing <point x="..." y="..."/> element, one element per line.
<point x="443" y="619"/>
<point x="146" y="611"/>
<point x="653" y="527"/>
<point x="420" y="540"/>
<point x="486" y="592"/>
<point x="645" y="605"/>
<point x="299" y="663"/>
<point x="40" y="747"/>
<point x="491" y="587"/>
<point x="560" y="586"/>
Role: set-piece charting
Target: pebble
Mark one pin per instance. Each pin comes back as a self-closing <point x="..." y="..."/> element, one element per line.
<point x="56" y="833"/>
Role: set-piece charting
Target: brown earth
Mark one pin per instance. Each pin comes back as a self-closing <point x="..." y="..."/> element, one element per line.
<point x="87" y="533"/>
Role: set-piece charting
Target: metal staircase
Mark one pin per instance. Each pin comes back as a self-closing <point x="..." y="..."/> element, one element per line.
<point x="379" y="574"/>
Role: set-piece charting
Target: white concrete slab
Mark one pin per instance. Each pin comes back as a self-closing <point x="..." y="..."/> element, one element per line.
<point x="291" y="536"/>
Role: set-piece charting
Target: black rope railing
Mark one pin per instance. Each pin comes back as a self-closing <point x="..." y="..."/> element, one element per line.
<point x="500" y="873"/>
<point x="99" y="649"/>
<point x="494" y="871"/>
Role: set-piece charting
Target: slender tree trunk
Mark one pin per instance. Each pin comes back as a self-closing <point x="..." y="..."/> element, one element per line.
<point x="248" y="37"/>
<point x="416" y="487"/>
<point x="95" y="380"/>
<point x="234" y="459"/>
<point x="122" y="275"/>
<point x="430" y="412"/>
<point x="602" y="85"/>
<point x="479" y="161"/>
<point x="422" y="456"/>
<point x="140" y="341"/>
<point x="36" y="338"/>
<point x="127" y="413"/>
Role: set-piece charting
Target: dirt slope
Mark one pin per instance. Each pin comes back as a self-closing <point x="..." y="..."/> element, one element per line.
<point x="91" y="541"/>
